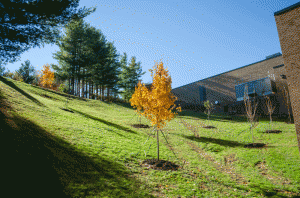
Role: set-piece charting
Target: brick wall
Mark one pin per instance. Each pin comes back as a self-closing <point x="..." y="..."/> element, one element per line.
<point x="288" y="27"/>
<point x="222" y="87"/>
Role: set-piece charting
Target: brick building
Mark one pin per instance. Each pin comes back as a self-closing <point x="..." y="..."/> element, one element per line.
<point x="226" y="90"/>
<point x="288" y="27"/>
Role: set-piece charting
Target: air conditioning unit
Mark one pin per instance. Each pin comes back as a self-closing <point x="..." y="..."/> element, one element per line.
<point x="273" y="55"/>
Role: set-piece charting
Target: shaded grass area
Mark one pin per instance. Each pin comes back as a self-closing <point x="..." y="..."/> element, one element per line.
<point x="39" y="164"/>
<point x="223" y="117"/>
<point x="90" y="149"/>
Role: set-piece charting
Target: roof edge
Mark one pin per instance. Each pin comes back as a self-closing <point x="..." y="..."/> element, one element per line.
<point x="228" y="71"/>
<point x="287" y="9"/>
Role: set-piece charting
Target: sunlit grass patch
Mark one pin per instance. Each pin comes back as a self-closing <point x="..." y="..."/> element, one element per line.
<point x="97" y="153"/>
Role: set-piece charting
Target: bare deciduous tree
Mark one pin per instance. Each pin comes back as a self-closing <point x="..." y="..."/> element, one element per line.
<point x="285" y="93"/>
<point x="270" y="109"/>
<point x="250" y="115"/>
<point x="209" y="107"/>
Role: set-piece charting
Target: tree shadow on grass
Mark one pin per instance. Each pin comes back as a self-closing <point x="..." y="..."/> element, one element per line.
<point x="35" y="163"/>
<point x="61" y="94"/>
<point x="269" y="192"/>
<point x="126" y="105"/>
<point x="12" y="85"/>
<point x="215" y="141"/>
<point x="104" y="121"/>
<point x="223" y="117"/>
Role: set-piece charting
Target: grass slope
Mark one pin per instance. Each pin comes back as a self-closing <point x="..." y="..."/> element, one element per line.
<point x="92" y="151"/>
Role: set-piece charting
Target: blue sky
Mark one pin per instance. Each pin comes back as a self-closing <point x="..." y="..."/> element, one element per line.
<point x="195" y="39"/>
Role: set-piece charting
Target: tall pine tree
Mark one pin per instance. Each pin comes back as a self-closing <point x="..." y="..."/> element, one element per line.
<point x="130" y="76"/>
<point x="78" y="51"/>
<point x="112" y="69"/>
<point x="26" y="72"/>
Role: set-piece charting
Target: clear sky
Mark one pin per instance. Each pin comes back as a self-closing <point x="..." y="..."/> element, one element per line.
<point x="195" y="39"/>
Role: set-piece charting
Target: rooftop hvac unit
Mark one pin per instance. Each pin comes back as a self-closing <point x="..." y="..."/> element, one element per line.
<point x="273" y="55"/>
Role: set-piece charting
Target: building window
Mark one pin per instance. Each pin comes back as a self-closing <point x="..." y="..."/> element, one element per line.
<point x="260" y="87"/>
<point x="202" y="92"/>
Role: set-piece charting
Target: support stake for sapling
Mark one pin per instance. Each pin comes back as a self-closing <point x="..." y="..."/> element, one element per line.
<point x="145" y="143"/>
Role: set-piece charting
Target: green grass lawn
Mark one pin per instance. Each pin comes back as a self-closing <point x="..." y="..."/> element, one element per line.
<point x="93" y="151"/>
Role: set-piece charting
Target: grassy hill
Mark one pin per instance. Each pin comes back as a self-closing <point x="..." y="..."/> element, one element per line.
<point x="89" y="148"/>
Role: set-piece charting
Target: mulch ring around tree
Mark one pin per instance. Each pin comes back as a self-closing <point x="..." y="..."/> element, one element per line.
<point x="255" y="145"/>
<point x="140" y="126"/>
<point x="272" y="131"/>
<point x="209" y="127"/>
<point x="160" y="165"/>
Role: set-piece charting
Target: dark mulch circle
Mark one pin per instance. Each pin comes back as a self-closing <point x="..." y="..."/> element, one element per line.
<point x="46" y="96"/>
<point x="272" y="131"/>
<point x="229" y="118"/>
<point x="255" y="145"/>
<point x="160" y="165"/>
<point x="140" y="126"/>
<point x="67" y="110"/>
<point x="209" y="127"/>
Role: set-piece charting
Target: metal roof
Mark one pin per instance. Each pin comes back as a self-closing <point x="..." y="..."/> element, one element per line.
<point x="287" y="9"/>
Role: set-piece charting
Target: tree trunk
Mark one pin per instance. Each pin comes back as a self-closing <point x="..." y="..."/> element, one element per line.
<point x="86" y="88"/>
<point x="82" y="88"/>
<point x="97" y="92"/>
<point x="90" y="89"/>
<point x="73" y="83"/>
<point x="270" y="121"/>
<point x="108" y="93"/>
<point x="157" y="146"/>
<point x="78" y="87"/>
<point x="69" y="85"/>
<point x="93" y="97"/>
<point x="102" y="92"/>
<point x="87" y="91"/>
<point x="252" y="134"/>
<point x="75" y="87"/>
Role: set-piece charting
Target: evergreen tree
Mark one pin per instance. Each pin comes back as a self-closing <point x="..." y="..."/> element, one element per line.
<point x="124" y="74"/>
<point x="130" y="76"/>
<point x="28" y="24"/>
<point x="2" y="69"/>
<point x="97" y="58"/>
<point x="83" y="54"/>
<point x="70" y="46"/>
<point x="112" y="69"/>
<point x="27" y="72"/>
<point x="36" y="79"/>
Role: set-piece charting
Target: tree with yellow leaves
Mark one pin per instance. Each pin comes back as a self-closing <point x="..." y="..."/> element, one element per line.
<point x="156" y="102"/>
<point x="47" y="77"/>
<point x="139" y="98"/>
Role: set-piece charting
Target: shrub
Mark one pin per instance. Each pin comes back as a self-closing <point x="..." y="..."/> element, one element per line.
<point x="17" y="76"/>
<point x="63" y="88"/>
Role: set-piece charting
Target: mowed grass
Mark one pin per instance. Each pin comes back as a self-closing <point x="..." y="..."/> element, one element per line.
<point x="93" y="151"/>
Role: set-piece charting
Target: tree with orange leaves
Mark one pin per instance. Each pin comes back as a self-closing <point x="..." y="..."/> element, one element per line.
<point x="157" y="101"/>
<point x="139" y="98"/>
<point x="47" y="77"/>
